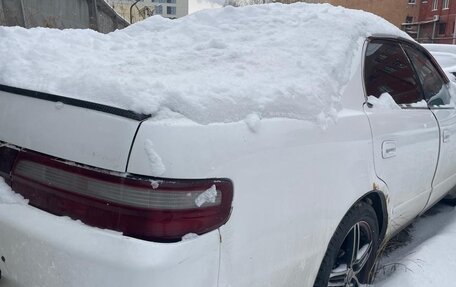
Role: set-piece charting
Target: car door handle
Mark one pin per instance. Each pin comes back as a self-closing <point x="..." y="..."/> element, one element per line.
<point x="388" y="149"/>
<point x="446" y="136"/>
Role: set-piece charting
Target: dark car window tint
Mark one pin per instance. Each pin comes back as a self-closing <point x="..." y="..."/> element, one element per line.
<point x="387" y="70"/>
<point x="434" y="88"/>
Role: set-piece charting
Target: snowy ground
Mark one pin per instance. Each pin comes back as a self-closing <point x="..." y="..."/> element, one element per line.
<point x="423" y="255"/>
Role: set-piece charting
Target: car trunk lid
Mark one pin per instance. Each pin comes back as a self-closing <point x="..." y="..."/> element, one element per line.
<point x="66" y="128"/>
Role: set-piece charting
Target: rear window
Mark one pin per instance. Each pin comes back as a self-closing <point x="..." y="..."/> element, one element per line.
<point x="434" y="88"/>
<point x="388" y="70"/>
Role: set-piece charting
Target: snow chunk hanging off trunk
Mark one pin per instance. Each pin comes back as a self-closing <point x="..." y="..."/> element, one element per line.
<point x="155" y="162"/>
<point x="189" y="236"/>
<point x="209" y="195"/>
<point x="7" y="196"/>
<point x="219" y="65"/>
<point x="155" y="183"/>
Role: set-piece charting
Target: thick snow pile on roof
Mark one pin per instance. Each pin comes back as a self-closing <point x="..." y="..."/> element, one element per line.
<point x="215" y="65"/>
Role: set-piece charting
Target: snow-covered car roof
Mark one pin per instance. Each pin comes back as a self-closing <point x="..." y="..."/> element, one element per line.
<point x="218" y="65"/>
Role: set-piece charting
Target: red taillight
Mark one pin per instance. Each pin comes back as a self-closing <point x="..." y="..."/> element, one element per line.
<point x="142" y="207"/>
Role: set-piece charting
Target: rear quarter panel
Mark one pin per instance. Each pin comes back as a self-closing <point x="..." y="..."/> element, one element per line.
<point x="294" y="181"/>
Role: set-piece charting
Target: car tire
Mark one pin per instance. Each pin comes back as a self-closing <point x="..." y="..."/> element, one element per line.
<point x="352" y="251"/>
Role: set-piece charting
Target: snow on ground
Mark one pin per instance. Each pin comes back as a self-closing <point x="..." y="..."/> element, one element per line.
<point x="428" y="257"/>
<point x="217" y="65"/>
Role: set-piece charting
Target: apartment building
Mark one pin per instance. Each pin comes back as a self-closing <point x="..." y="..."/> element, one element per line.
<point x="167" y="8"/>
<point x="395" y="11"/>
<point x="436" y="23"/>
<point x="146" y="8"/>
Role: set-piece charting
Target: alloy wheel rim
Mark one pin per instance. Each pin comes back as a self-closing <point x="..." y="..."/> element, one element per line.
<point x="352" y="256"/>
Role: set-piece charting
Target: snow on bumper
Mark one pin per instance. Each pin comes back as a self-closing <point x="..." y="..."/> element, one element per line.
<point x="41" y="249"/>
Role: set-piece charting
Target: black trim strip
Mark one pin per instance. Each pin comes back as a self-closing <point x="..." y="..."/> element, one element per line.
<point x="75" y="102"/>
<point x="131" y="146"/>
<point x="414" y="108"/>
<point x="441" y="108"/>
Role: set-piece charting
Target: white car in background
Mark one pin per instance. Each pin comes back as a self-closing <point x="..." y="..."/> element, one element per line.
<point x="291" y="165"/>
<point x="445" y="54"/>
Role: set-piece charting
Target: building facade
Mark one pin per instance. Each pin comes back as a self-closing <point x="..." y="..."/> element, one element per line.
<point x="167" y="8"/>
<point x="397" y="12"/>
<point x="436" y="22"/>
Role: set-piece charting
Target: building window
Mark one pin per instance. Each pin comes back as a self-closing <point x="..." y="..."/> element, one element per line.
<point x="171" y="10"/>
<point x="446" y="4"/>
<point x="434" y="5"/>
<point x="412" y="1"/>
<point x="408" y="19"/>
<point x="442" y="28"/>
<point x="432" y="84"/>
<point x="171" y="1"/>
<point x="158" y="10"/>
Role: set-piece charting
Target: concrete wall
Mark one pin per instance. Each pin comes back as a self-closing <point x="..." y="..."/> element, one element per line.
<point x="94" y="14"/>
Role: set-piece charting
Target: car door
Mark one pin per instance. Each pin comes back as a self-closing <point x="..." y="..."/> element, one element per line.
<point x="404" y="130"/>
<point x="435" y="89"/>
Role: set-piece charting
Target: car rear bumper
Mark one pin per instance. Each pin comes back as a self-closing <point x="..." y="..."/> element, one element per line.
<point x="41" y="249"/>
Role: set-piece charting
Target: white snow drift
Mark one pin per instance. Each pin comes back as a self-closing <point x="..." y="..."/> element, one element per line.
<point x="217" y="65"/>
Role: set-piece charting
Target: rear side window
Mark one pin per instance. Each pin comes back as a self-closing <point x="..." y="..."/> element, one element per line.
<point x="434" y="88"/>
<point x="388" y="70"/>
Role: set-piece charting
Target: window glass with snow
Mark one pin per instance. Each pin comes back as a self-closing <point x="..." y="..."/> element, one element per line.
<point x="388" y="73"/>
<point x="434" y="88"/>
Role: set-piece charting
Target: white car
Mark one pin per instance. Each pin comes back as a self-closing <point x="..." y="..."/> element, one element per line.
<point x="445" y="55"/>
<point x="353" y="142"/>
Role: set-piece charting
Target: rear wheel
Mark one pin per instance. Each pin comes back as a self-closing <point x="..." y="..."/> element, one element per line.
<point x="352" y="251"/>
